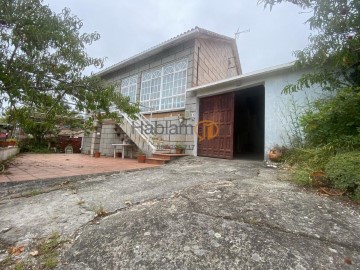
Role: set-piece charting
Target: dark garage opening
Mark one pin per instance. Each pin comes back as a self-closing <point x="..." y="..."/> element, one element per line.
<point x="249" y="123"/>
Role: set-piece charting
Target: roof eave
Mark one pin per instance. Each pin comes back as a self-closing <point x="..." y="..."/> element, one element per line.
<point x="162" y="46"/>
<point x="152" y="51"/>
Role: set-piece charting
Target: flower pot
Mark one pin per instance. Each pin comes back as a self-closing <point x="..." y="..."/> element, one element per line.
<point x="179" y="151"/>
<point x="97" y="154"/>
<point x="275" y="155"/>
<point x="141" y="158"/>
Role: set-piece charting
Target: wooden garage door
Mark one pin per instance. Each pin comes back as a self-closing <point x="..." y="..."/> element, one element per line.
<point x="219" y="109"/>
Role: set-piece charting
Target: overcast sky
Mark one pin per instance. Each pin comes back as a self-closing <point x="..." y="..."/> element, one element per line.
<point x="132" y="26"/>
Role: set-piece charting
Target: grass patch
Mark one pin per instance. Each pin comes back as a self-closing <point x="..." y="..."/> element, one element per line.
<point x="47" y="256"/>
<point x="21" y="266"/>
<point x="32" y="193"/>
<point x="48" y="253"/>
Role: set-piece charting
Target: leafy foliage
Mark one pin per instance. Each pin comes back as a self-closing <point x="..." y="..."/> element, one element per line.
<point x="334" y="122"/>
<point x="333" y="53"/>
<point x="314" y="158"/>
<point x="42" y="59"/>
<point x="344" y="172"/>
<point x="34" y="146"/>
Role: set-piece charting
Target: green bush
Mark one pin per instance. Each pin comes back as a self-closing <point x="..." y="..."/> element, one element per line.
<point x="334" y="121"/>
<point x="312" y="158"/>
<point x="30" y="145"/>
<point x="301" y="176"/>
<point x="343" y="171"/>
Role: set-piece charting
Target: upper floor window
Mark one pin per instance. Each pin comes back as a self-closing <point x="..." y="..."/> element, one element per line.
<point x="164" y="88"/>
<point x="129" y="87"/>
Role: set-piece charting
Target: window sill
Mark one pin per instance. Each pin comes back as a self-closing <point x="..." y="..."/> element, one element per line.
<point x="164" y="111"/>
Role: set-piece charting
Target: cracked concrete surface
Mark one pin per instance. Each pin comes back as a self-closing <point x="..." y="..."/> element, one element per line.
<point x="195" y="213"/>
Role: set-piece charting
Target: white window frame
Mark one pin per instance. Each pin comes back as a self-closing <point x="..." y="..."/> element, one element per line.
<point x="128" y="87"/>
<point x="167" y="83"/>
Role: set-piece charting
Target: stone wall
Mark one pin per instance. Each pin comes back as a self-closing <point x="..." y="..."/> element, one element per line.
<point x="110" y="134"/>
<point x="8" y="152"/>
<point x="86" y="144"/>
<point x="170" y="131"/>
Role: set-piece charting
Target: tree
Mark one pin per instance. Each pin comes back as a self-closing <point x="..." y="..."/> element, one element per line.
<point x="42" y="60"/>
<point x="333" y="53"/>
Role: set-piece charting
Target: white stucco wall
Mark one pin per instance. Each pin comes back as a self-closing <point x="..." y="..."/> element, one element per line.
<point x="280" y="109"/>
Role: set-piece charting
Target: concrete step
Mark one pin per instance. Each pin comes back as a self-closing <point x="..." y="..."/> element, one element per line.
<point x="165" y="151"/>
<point x="167" y="156"/>
<point x="158" y="161"/>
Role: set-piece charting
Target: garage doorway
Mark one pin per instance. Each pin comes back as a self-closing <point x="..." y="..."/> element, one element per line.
<point x="249" y="123"/>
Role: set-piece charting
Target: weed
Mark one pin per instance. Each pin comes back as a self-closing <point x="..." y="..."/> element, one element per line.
<point x="7" y="262"/>
<point x="100" y="211"/>
<point x="46" y="258"/>
<point x="48" y="254"/>
<point x="31" y="193"/>
<point x="35" y="192"/>
<point x="50" y="262"/>
<point x="81" y="202"/>
<point x="21" y="266"/>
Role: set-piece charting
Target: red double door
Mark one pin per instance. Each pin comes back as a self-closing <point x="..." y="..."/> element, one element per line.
<point x="216" y="126"/>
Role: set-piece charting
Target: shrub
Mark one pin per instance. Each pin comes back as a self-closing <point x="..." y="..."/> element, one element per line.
<point x="31" y="145"/>
<point x="313" y="158"/>
<point x="343" y="171"/>
<point x="301" y="176"/>
<point x="334" y="121"/>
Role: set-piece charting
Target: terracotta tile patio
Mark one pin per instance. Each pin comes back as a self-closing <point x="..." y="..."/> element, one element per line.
<point x="28" y="167"/>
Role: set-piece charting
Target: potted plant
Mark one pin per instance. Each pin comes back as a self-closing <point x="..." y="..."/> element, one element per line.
<point x="179" y="149"/>
<point x="141" y="157"/>
<point x="97" y="154"/>
<point x="165" y="147"/>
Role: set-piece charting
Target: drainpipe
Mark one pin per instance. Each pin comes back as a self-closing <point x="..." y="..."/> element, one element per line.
<point x="197" y="67"/>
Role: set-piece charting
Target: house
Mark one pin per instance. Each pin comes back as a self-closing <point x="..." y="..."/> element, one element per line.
<point x="192" y="92"/>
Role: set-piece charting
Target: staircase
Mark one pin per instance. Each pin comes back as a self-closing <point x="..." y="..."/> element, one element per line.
<point x="162" y="157"/>
<point x="135" y="129"/>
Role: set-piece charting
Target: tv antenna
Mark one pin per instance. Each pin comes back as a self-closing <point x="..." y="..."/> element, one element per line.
<point x="238" y="32"/>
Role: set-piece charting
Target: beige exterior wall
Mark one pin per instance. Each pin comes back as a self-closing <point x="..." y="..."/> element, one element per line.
<point x="214" y="60"/>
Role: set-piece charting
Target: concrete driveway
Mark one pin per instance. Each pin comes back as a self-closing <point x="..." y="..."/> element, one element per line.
<point x="194" y="213"/>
